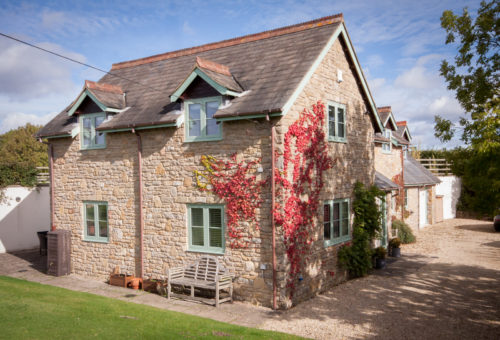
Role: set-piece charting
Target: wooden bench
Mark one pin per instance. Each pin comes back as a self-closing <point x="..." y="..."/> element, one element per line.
<point x="205" y="273"/>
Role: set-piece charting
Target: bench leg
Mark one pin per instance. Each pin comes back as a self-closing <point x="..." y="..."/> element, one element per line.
<point x="169" y="288"/>
<point x="231" y="292"/>
<point x="192" y="291"/>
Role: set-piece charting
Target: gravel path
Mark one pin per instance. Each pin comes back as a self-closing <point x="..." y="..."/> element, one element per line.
<point x="446" y="286"/>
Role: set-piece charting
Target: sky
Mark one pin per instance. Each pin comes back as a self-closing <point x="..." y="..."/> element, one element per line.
<point x="400" y="45"/>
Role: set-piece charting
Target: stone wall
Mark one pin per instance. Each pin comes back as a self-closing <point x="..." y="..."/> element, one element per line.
<point x="388" y="164"/>
<point x="413" y="208"/>
<point x="354" y="162"/>
<point x="111" y="175"/>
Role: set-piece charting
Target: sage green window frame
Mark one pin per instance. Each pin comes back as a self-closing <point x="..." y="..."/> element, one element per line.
<point x="206" y="248"/>
<point x="341" y="238"/>
<point x="97" y="222"/>
<point x="406" y="199"/>
<point x="387" y="147"/>
<point x="203" y="120"/>
<point x="334" y="131"/>
<point x="93" y="132"/>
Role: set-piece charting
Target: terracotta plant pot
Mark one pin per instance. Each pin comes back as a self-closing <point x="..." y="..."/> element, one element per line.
<point x="135" y="283"/>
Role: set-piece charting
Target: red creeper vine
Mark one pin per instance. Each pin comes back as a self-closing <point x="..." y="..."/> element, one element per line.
<point x="305" y="159"/>
<point x="234" y="183"/>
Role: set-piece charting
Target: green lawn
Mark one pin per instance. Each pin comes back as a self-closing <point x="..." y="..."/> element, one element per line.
<point x="31" y="310"/>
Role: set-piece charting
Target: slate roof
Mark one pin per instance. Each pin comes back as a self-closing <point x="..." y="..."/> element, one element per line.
<point x="400" y="130"/>
<point x="384" y="183"/>
<point x="268" y="66"/>
<point x="219" y="73"/>
<point x="415" y="174"/>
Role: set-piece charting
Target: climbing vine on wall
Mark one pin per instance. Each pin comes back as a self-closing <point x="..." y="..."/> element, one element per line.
<point x="400" y="199"/>
<point x="235" y="183"/>
<point x="298" y="185"/>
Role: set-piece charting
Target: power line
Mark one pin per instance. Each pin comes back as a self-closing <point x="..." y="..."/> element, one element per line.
<point x="76" y="61"/>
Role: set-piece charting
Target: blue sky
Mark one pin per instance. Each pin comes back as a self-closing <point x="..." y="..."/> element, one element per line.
<point x="399" y="43"/>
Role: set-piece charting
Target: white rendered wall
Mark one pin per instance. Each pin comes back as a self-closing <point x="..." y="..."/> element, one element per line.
<point x="450" y="189"/>
<point x="26" y="211"/>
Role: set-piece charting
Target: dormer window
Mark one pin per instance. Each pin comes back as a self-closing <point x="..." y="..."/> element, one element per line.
<point x="200" y="122"/>
<point x="90" y="138"/>
<point x="386" y="147"/>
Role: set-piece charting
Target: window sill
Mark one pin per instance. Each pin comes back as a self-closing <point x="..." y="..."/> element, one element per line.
<point x="93" y="148"/>
<point x="336" y="242"/>
<point x="386" y="152"/>
<point x="215" y="139"/>
<point x="95" y="240"/>
<point x="337" y="140"/>
<point x="213" y="252"/>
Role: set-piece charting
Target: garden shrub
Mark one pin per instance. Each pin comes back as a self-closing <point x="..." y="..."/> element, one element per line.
<point x="405" y="233"/>
<point x="357" y="257"/>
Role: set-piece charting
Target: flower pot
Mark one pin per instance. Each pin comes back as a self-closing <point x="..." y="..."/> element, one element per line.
<point x="379" y="263"/>
<point x="396" y="252"/>
<point x="135" y="283"/>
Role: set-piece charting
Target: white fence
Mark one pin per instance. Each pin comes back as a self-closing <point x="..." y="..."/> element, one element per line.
<point x="26" y="211"/>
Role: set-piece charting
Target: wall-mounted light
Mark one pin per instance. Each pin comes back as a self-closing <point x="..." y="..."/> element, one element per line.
<point x="339" y="76"/>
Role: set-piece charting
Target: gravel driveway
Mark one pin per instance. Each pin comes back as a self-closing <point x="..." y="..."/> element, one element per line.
<point x="446" y="286"/>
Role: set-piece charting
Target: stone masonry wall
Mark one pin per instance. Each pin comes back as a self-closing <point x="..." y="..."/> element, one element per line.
<point x="388" y="164"/>
<point x="413" y="206"/>
<point x="355" y="162"/>
<point x="110" y="175"/>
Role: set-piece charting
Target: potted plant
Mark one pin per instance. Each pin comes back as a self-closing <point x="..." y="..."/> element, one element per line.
<point x="394" y="246"/>
<point x="380" y="254"/>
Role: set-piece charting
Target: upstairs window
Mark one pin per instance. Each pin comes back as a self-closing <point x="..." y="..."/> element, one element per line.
<point x="200" y="122"/>
<point x="336" y="222"/>
<point x="336" y="122"/>
<point x="386" y="147"/>
<point x="90" y="138"/>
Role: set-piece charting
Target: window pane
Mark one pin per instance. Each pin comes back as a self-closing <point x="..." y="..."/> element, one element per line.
<point x="197" y="236"/>
<point x="197" y="217"/>
<point x="215" y="237"/>
<point x="90" y="228"/>
<point x="215" y="218"/>
<point x="212" y="108"/>
<point x="86" y="131"/>
<point x="194" y="120"/>
<point x="103" y="229"/>
<point x="99" y="136"/>
<point x="331" y="120"/>
<point x="336" y="229"/>
<point x="336" y="211"/>
<point x="340" y="115"/>
<point x="345" y="227"/>
<point x="89" y="211"/>
<point x="345" y="210"/>
<point x="212" y="127"/>
<point x="341" y="130"/>
<point x="103" y="212"/>
<point x="326" y="222"/>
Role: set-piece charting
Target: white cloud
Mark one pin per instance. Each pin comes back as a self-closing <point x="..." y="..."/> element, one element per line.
<point x="16" y="119"/>
<point x="187" y="28"/>
<point x="417" y="94"/>
<point x="26" y="72"/>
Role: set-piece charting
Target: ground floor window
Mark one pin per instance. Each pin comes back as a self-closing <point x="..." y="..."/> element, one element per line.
<point x="206" y="228"/>
<point x="336" y="223"/>
<point x="96" y="226"/>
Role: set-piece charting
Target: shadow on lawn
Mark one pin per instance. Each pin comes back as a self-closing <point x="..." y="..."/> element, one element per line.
<point x="414" y="299"/>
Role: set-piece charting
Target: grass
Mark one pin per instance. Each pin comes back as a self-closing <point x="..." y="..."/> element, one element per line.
<point x="30" y="310"/>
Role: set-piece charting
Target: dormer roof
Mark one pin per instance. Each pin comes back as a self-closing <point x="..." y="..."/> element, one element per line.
<point x="107" y="96"/>
<point x="386" y="117"/>
<point x="216" y="75"/>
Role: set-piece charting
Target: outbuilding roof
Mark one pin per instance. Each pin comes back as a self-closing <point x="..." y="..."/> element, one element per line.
<point x="415" y="174"/>
<point x="384" y="183"/>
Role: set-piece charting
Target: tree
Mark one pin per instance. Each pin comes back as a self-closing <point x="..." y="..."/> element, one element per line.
<point x="20" y="154"/>
<point x="474" y="76"/>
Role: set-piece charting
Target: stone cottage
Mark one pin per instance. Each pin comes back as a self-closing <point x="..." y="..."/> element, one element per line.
<point x="389" y="152"/>
<point x="125" y="155"/>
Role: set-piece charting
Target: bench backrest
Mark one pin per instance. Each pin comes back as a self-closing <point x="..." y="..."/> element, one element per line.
<point x="206" y="268"/>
